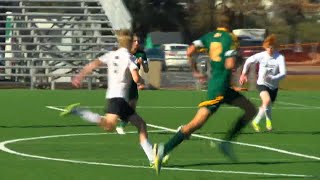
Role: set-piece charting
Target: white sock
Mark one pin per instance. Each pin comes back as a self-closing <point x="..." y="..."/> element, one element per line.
<point x="260" y="115"/>
<point x="89" y="116"/>
<point x="147" y="148"/>
<point x="268" y="112"/>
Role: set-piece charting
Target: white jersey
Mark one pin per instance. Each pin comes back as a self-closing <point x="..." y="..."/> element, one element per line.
<point x="271" y="68"/>
<point x="120" y="64"/>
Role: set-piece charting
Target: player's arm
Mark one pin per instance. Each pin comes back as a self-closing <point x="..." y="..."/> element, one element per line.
<point x="145" y="64"/>
<point x="135" y="75"/>
<point x="252" y="59"/>
<point x="190" y="52"/>
<point x="76" y="81"/>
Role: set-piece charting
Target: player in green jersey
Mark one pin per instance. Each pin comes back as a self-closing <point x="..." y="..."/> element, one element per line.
<point x="221" y="45"/>
<point x="133" y="90"/>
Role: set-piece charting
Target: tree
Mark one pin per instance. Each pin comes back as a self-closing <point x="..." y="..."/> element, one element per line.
<point x="291" y="12"/>
<point x="156" y="15"/>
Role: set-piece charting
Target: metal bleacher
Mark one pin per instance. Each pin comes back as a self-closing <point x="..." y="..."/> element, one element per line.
<point x="46" y="42"/>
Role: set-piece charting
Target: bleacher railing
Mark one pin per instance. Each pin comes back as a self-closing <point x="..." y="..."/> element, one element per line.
<point x="48" y="41"/>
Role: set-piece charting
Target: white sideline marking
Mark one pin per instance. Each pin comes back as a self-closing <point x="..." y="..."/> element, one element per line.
<point x="242" y="144"/>
<point x="192" y="107"/>
<point x="5" y="149"/>
<point x="220" y="140"/>
<point x="294" y="104"/>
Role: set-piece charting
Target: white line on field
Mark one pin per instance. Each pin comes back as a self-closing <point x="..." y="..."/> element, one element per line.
<point x="288" y="103"/>
<point x="219" y="140"/>
<point x="192" y="107"/>
<point x="5" y="149"/>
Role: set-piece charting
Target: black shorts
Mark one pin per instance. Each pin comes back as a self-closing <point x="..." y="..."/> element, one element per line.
<point x="119" y="107"/>
<point x="272" y="92"/>
<point x="133" y="91"/>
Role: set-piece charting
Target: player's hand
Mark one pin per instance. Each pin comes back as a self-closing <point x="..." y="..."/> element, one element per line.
<point x="141" y="86"/>
<point x="202" y="77"/>
<point x="139" y="60"/>
<point x="76" y="81"/>
<point x="243" y="79"/>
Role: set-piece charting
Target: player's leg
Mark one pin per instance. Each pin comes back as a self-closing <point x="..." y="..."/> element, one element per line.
<point x="122" y="124"/>
<point x="238" y="100"/>
<point x="256" y="120"/>
<point x="266" y="101"/>
<point x="85" y="114"/>
<point x="133" y="99"/>
<point x="141" y="126"/>
<point x="197" y="122"/>
<point x="272" y="97"/>
<point x="263" y="93"/>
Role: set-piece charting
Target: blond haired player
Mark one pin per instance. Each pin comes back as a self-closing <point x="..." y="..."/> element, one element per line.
<point x="121" y="71"/>
<point x="272" y="69"/>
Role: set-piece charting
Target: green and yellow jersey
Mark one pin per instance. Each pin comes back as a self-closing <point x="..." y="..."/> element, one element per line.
<point x="219" y="44"/>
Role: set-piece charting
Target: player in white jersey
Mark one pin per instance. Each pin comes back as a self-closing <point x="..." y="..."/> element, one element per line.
<point x="133" y="90"/>
<point x="272" y="69"/>
<point x="121" y="71"/>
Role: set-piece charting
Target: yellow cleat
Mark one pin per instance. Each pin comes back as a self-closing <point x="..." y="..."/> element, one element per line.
<point x="165" y="159"/>
<point x="158" y="151"/>
<point x="255" y="126"/>
<point x="68" y="110"/>
<point x="268" y="125"/>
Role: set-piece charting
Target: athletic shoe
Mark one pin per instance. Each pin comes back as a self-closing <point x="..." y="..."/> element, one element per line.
<point x="151" y="164"/>
<point x="268" y="125"/>
<point x="158" y="151"/>
<point x="255" y="126"/>
<point x="69" y="109"/>
<point x="226" y="149"/>
<point x="120" y="130"/>
<point x="165" y="159"/>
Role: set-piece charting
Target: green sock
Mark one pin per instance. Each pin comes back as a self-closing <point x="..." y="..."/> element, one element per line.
<point x="173" y="142"/>
<point x="241" y="123"/>
<point x="122" y="124"/>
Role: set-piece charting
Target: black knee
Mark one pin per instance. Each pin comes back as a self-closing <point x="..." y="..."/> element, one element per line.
<point x="250" y="111"/>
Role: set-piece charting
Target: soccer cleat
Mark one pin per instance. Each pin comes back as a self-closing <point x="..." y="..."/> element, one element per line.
<point x="158" y="152"/>
<point x="268" y="125"/>
<point x="226" y="149"/>
<point x="255" y="126"/>
<point x="120" y="130"/>
<point x="165" y="159"/>
<point x="151" y="164"/>
<point x="69" y="109"/>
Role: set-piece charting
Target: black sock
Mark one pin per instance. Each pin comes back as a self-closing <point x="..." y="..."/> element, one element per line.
<point x="173" y="142"/>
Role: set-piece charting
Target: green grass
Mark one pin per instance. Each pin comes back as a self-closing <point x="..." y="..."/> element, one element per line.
<point x="24" y="115"/>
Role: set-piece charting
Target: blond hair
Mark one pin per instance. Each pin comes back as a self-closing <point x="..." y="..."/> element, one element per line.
<point x="271" y="40"/>
<point x="125" y="38"/>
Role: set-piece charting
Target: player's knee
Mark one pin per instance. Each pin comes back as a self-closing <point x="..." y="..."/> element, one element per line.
<point x="250" y="111"/>
<point x="108" y="125"/>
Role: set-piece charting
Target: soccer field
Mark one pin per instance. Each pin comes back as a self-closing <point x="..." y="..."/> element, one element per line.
<point x="36" y="143"/>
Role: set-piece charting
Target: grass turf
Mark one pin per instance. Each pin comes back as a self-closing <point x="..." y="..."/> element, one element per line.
<point x="24" y="115"/>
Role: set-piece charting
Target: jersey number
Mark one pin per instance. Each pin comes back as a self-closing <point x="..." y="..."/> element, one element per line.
<point x="215" y="51"/>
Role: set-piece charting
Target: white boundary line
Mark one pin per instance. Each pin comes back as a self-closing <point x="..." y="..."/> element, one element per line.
<point x="5" y="149"/>
<point x="194" y="107"/>
<point x="287" y="103"/>
<point x="220" y="140"/>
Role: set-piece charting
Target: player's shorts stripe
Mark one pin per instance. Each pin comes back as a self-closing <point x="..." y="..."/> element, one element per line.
<point x="211" y="102"/>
